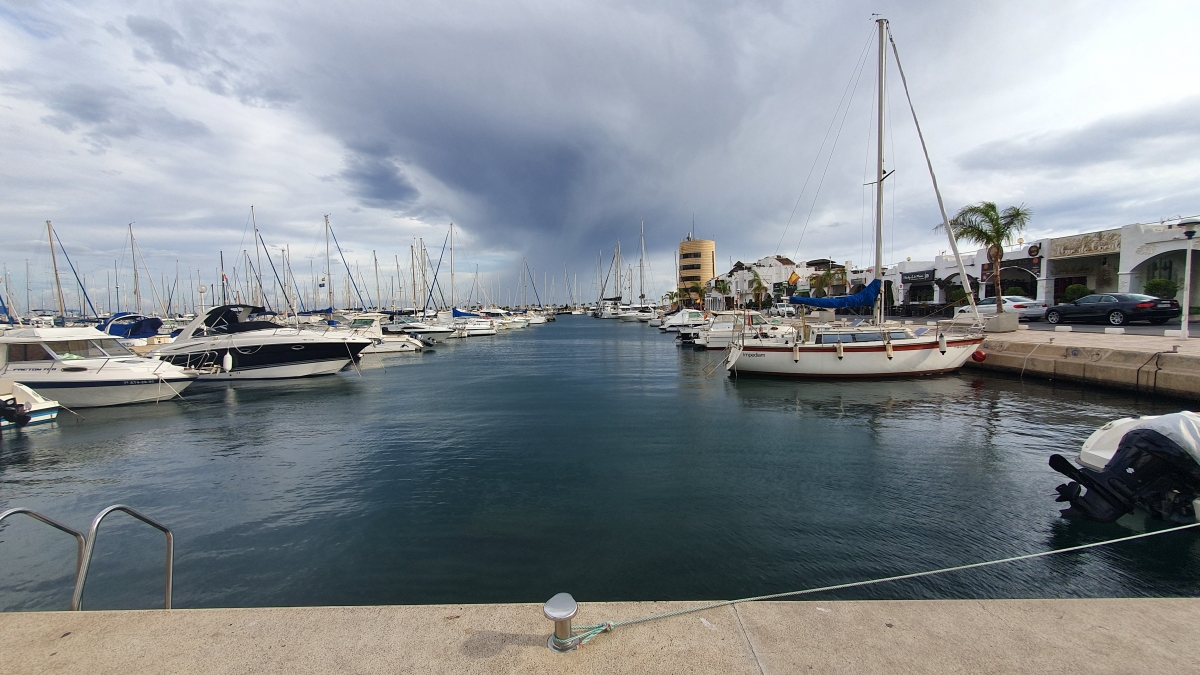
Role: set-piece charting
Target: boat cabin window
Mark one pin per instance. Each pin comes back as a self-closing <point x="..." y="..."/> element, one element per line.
<point x="868" y="337"/>
<point x="899" y="335"/>
<point x="361" y="323"/>
<point x="115" y="348"/>
<point x="28" y="352"/>
<point x="831" y="338"/>
<point x="68" y="350"/>
<point x="757" y="320"/>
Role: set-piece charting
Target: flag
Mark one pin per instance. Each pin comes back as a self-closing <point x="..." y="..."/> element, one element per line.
<point x="794" y="278"/>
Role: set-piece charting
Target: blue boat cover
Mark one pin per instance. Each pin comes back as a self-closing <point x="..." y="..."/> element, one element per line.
<point x="455" y="311"/>
<point x="864" y="298"/>
<point x="134" y="326"/>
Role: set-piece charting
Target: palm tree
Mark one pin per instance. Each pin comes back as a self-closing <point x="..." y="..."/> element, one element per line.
<point x="698" y="290"/>
<point x="673" y="296"/>
<point x="757" y="287"/>
<point x="722" y="287"/>
<point x="986" y="225"/>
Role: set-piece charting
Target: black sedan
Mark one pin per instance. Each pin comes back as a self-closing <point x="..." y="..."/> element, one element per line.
<point x="1117" y="309"/>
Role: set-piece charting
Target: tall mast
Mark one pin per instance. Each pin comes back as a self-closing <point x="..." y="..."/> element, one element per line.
<point x="54" y="261"/>
<point x="329" y="270"/>
<point x="453" y="303"/>
<point x="116" y="276"/>
<point x="399" y="282"/>
<point x="258" y="258"/>
<point x="378" y="297"/>
<point x="879" y="175"/>
<point x="137" y="295"/>
<point x="642" y="268"/>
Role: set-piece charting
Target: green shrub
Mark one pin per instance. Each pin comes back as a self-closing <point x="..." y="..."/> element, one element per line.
<point x="955" y="294"/>
<point x="1014" y="290"/>
<point x="1075" y="292"/>
<point x="1161" y="288"/>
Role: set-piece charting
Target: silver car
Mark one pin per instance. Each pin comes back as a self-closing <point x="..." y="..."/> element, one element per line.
<point x="1028" y="308"/>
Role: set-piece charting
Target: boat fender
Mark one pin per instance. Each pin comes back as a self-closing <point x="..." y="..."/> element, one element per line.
<point x="796" y="352"/>
<point x="888" y="348"/>
<point x="942" y="343"/>
<point x="978" y="356"/>
<point x="227" y="362"/>
<point x="839" y="350"/>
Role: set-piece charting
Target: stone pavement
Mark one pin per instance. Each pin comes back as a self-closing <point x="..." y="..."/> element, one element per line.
<point x="885" y="637"/>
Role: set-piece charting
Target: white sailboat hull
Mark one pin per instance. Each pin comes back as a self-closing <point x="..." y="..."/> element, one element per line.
<point x="908" y="358"/>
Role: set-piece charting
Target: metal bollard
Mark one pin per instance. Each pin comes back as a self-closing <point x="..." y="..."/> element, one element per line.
<point x="561" y="609"/>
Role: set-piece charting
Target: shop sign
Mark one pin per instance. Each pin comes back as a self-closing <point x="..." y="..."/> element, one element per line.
<point x="916" y="277"/>
<point x="1094" y="243"/>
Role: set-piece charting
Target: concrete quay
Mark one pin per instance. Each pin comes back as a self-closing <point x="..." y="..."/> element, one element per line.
<point x="1165" y="366"/>
<point x="885" y="637"/>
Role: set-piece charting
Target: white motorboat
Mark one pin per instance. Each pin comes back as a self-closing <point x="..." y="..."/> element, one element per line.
<point x="21" y="406"/>
<point x="725" y="325"/>
<point x="230" y="343"/>
<point x="684" y="317"/>
<point x="411" y="326"/>
<point x="1149" y="463"/>
<point x="368" y="325"/>
<point x="84" y="368"/>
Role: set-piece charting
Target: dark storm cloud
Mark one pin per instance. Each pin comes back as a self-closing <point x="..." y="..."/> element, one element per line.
<point x="1163" y="135"/>
<point x="377" y="181"/>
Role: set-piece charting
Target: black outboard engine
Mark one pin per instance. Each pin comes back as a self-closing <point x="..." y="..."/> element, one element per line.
<point x="1148" y="470"/>
<point x="14" y="412"/>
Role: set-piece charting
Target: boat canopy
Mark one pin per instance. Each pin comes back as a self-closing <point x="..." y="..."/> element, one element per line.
<point x="131" y="325"/>
<point x="455" y="311"/>
<point x="864" y="298"/>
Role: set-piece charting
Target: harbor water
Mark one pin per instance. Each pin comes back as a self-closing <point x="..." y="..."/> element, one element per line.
<point x="587" y="456"/>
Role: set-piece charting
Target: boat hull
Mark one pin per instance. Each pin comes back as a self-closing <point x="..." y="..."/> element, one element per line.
<point x="908" y="359"/>
<point x="100" y="393"/>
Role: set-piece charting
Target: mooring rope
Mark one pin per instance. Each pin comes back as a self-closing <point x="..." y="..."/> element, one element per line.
<point x="585" y="633"/>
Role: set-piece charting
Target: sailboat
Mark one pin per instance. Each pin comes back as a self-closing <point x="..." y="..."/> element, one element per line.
<point x="878" y="348"/>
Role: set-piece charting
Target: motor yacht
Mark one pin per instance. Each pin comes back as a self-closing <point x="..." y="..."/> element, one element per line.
<point x="231" y="342"/>
<point x="725" y="325"/>
<point x="368" y="325"/>
<point x="84" y="368"/>
<point x="684" y="317"/>
<point x="411" y="326"/>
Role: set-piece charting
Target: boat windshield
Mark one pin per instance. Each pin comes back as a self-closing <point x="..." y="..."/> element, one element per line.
<point x="69" y="350"/>
<point x="361" y="323"/>
<point x="757" y="320"/>
<point x="115" y="348"/>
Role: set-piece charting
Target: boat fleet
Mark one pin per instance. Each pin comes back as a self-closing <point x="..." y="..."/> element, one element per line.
<point x="138" y="359"/>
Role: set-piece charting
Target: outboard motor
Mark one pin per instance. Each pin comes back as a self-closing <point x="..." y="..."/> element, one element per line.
<point x="14" y="412"/>
<point x="1154" y="467"/>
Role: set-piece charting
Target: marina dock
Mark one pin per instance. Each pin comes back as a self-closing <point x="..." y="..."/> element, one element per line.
<point x="1165" y="366"/>
<point x="928" y="636"/>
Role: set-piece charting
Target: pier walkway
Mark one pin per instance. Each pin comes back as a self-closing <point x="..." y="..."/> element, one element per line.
<point x="886" y="637"/>
<point x="1145" y="364"/>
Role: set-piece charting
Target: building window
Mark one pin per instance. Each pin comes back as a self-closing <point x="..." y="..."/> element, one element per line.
<point x="689" y="267"/>
<point x="689" y="278"/>
<point x="690" y="255"/>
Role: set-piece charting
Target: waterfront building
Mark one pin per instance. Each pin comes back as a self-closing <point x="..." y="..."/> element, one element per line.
<point x="697" y="263"/>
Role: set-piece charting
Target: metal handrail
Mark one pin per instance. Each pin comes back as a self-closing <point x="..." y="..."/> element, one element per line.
<point x="81" y="577"/>
<point x="79" y="540"/>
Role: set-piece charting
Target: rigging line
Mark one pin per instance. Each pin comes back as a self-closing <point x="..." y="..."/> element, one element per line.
<point x="828" y="161"/>
<point x="853" y="76"/>
<point x="589" y="632"/>
<point x="887" y="92"/>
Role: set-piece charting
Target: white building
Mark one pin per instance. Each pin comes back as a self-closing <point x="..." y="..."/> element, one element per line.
<point x="774" y="271"/>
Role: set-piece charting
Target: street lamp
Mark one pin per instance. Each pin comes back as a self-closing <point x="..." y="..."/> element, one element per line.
<point x="1189" y="231"/>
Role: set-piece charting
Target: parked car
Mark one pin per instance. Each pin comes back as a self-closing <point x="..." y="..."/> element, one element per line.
<point x="782" y="309"/>
<point x="1028" y="308"/>
<point x="1117" y="309"/>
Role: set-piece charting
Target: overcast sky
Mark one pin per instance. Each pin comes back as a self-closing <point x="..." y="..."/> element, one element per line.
<point x="550" y="130"/>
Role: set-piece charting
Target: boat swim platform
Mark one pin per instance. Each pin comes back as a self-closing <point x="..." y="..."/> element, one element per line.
<point x="1144" y="635"/>
<point x="1144" y="364"/>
